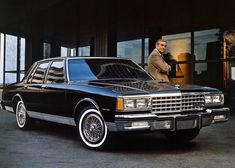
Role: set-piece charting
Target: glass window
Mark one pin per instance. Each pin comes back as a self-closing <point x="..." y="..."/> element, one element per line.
<point x="229" y="52"/>
<point x="179" y="49"/>
<point x="146" y="50"/>
<point x="64" y="51"/>
<point x="56" y="72"/>
<point x="22" y="76"/>
<point x="92" y="69"/>
<point x="46" y="50"/>
<point x="10" y="78"/>
<point x="10" y="59"/>
<point x="39" y="74"/>
<point x="22" y="58"/>
<point x="1" y="57"/>
<point x="178" y="46"/>
<point x="206" y="47"/>
<point x="11" y="53"/>
<point x="80" y="70"/>
<point x="73" y="52"/>
<point x="68" y="52"/>
<point x="84" y="51"/>
<point x="22" y="54"/>
<point x="130" y="49"/>
<point x="14" y="60"/>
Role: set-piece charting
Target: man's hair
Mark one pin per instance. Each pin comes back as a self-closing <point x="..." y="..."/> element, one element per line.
<point x="160" y="40"/>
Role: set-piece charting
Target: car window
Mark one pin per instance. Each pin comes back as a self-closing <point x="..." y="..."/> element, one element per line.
<point x="38" y="76"/>
<point x="29" y="74"/>
<point x="56" y="72"/>
<point x="92" y="69"/>
<point x="80" y="70"/>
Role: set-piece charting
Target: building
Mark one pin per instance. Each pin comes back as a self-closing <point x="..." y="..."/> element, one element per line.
<point x="200" y="34"/>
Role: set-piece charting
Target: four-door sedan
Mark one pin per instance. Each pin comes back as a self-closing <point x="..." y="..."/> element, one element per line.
<point x="103" y="95"/>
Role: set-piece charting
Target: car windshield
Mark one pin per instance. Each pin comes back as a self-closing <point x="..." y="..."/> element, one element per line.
<point x="93" y="69"/>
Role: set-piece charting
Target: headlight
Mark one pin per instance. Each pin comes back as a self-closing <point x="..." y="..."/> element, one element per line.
<point x="214" y="99"/>
<point x="133" y="103"/>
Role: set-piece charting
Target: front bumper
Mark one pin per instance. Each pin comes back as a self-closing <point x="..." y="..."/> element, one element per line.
<point x="153" y="122"/>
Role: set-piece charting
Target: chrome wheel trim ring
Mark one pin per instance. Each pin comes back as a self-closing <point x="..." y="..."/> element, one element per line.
<point x="21" y="114"/>
<point x="92" y="128"/>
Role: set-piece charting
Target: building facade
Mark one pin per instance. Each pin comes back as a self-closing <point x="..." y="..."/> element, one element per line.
<point x="200" y="35"/>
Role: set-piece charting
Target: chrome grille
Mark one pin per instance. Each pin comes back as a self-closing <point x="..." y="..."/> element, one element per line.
<point x="177" y="102"/>
<point x="192" y="102"/>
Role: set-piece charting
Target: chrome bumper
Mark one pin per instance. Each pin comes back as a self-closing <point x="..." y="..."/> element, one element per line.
<point x="153" y="122"/>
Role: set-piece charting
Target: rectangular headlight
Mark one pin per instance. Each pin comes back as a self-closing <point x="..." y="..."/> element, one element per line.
<point x="133" y="103"/>
<point x="217" y="99"/>
<point x="208" y="99"/>
<point x="142" y="103"/>
<point x="129" y="103"/>
<point x="214" y="99"/>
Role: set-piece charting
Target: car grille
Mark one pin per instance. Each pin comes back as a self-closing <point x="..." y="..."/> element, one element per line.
<point x="176" y="103"/>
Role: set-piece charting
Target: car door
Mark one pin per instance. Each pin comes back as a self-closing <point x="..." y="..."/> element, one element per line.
<point x="53" y="89"/>
<point x="33" y="96"/>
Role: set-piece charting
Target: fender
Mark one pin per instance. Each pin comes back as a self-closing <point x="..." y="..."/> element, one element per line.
<point x="89" y="100"/>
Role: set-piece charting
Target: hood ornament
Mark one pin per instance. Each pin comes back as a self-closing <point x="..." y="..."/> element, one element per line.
<point x="177" y="86"/>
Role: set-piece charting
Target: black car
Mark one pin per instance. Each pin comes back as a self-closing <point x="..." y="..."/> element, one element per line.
<point x="101" y="95"/>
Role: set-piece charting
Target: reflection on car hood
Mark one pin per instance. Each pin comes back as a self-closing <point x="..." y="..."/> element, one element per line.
<point x="136" y="86"/>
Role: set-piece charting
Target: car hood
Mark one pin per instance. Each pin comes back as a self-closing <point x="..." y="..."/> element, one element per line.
<point x="146" y="87"/>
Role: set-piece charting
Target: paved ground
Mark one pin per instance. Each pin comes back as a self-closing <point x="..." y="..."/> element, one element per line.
<point x="56" y="146"/>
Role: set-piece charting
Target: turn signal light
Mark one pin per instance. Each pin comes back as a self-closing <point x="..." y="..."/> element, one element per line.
<point x="120" y="104"/>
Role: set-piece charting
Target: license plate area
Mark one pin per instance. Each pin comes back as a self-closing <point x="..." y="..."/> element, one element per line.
<point x="182" y="124"/>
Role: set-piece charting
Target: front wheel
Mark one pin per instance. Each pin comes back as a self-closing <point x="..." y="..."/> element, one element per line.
<point x="181" y="136"/>
<point x="92" y="128"/>
<point x="22" y="118"/>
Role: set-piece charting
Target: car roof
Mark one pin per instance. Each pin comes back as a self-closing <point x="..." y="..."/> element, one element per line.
<point x="81" y="57"/>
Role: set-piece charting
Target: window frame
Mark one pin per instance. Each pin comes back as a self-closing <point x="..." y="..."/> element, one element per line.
<point x="29" y="81"/>
<point x="49" y="66"/>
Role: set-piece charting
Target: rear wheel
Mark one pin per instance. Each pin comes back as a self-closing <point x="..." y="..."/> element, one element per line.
<point x="92" y="128"/>
<point x="181" y="136"/>
<point x="22" y="118"/>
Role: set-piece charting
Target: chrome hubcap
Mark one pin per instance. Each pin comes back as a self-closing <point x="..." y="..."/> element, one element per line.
<point x="21" y="114"/>
<point x="93" y="128"/>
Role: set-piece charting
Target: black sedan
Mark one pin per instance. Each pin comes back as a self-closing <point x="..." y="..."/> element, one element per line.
<point x="103" y="95"/>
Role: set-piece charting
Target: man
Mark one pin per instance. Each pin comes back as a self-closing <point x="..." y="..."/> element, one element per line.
<point x="157" y="67"/>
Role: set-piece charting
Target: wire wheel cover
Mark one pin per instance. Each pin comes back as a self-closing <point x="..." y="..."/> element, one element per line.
<point x="93" y="128"/>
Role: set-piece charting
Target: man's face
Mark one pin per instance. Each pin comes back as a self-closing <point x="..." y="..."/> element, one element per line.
<point x="161" y="46"/>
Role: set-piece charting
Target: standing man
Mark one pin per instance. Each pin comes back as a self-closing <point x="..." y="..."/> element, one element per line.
<point x="157" y="67"/>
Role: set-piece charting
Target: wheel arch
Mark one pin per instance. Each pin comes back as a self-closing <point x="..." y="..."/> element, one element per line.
<point x="17" y="97"/>
<point x="82" y="104"/>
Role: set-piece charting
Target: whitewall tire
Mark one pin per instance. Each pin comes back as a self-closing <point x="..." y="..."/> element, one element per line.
<point x="92" y="128"/>
<point x="22" y="118"/>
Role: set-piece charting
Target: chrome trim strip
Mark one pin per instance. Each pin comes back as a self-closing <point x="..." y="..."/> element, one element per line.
<point x="131" y="116"/>
<point x="10" y="109"/>
<point x="135" y="115"/>
<point x="166" y="94"/>
<point x="137" y="127"/>
<point x="52" y="118"/>
<point x="223" y="109"/>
